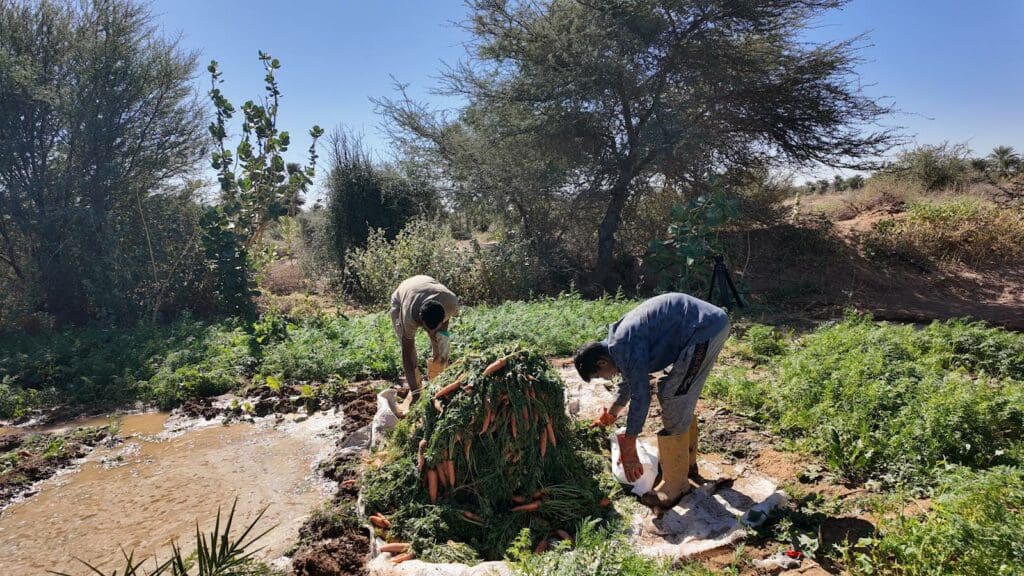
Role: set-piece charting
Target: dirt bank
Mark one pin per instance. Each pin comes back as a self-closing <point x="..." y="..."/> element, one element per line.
<point x="28" y="457"/>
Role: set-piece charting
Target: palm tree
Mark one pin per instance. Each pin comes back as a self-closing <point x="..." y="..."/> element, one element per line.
<point x="1004" y="161"/>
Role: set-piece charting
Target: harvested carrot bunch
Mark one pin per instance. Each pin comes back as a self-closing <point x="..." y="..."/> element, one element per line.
<point x="487" y="453"/>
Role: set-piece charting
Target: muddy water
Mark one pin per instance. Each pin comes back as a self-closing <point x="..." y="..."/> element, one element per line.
<point x="155" y="486"/>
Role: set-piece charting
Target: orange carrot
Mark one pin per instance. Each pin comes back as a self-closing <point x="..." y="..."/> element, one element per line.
<point x="450" y="388"/>
<point x="488" y="416"/>
<point x="472" y="517"/>
<point x="520" y="499"/>
<point x="551" y="434"/>
<point x="562" y="534"/>
<point x="395" y="547"/>
<point x="512" y="422"/>
<point x="495" y="366"/>
<point x="442" y="474"/>
<point x="526" y="415"/>
<point x="604" y="502"/>
<point x="380" y="521"/>
<point x="451" y="472"/>
<point x="537" y="495"/>
<point x="543" y="443"/>
<point x="531" y="507"/>
<point x="432" y="485"/>
<point x="542" y="546"/>
<point x="403" y="557"/>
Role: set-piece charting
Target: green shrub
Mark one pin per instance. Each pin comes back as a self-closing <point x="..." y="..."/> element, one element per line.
<point x="761" y="343"/>
<point x="961" y="230"/>
<point x="212" y="360"/>
<point x="508" y="269"/>
<point x="974" y="528"/>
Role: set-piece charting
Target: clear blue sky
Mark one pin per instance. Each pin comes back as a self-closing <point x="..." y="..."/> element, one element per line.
<point x="955" y="68"/>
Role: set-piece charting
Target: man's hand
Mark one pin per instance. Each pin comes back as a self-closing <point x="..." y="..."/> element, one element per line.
<point x="628" y="458"/>
<point x="604" y="420"/>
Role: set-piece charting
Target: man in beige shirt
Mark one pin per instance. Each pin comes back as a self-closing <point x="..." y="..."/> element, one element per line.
<point x="422" y="302"/>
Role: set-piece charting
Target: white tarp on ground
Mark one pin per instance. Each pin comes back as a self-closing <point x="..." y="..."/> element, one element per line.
<point x="714" y="515"/>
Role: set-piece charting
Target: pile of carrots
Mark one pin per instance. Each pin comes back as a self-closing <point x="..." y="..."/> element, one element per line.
<point x="491" y="448"/>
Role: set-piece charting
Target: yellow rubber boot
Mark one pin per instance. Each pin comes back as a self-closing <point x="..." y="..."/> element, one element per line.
<point x="674" y="457"/>
<point x="692" y="438"/>
<point x="435" y="367"/>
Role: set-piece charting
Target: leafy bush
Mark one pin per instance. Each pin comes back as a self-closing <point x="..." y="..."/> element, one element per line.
<point x="211" y="360"/>
<point x="508" y="269"/>
<point x="960" y="230"/>
<point x="933" y="167"/>
<point x="894" y="402"/>
<point x="761" y="343"/>
<point x="363" y="195"/>
<point x="974" y="528"/>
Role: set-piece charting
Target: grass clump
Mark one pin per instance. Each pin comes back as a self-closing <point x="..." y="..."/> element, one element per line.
<point x="893" y="402"/>
<point x="974" y="528"/>
<point x="500" y="441"/>
<point x="959" y="230"/>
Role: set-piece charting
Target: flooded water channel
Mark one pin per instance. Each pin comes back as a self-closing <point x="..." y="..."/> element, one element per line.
<point x="152" y="488"/>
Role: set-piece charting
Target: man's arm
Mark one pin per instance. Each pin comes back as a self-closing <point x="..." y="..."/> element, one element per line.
<point x="639" y="400"/>
<point x="409" y="364"/>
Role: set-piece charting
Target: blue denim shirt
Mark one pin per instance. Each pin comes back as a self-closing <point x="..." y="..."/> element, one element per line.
<point x="651" y="337"/>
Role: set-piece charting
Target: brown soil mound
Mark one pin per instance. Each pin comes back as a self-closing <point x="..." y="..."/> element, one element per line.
<point x="817" y="271"/>
<point x="29" y="458"/>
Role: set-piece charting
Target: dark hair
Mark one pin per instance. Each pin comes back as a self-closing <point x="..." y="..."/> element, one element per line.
<point x="432" y="315"/>
<point x="586" y="359"/>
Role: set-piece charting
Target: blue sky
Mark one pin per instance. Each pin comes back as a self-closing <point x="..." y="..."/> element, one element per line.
<point x="954" y="68"/>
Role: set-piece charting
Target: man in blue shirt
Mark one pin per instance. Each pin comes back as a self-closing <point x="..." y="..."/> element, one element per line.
<point x="669" y="330"/>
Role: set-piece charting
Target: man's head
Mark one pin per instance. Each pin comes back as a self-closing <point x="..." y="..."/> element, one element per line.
<point x="592" y="361"/>
<point x="432" y="316"/>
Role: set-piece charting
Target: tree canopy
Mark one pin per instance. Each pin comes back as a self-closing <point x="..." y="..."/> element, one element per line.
<point x="576" y="108"/>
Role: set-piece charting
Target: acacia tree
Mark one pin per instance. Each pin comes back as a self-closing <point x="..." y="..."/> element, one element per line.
<point x="606" y="97"/>
<point x="97" y="122"/>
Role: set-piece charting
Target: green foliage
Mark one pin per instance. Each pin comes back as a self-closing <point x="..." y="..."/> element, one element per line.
<point x="761" y="343"/>
<point x="508" y="270"/>
<point x="96" y="368"/>
<point x="363" y="196"/>
<point x="598" y="551"/>
<point x="257" y="186"/>
<point x="687" y="253"/>
<point x="1004" y="162"/>
<point x="210" y="361"/>
<point x="932" y="167"/>
<point x="551" y="326"/>
<point x="893" y="402"/>
<point x="98" y="128"/>
<point x="574" y="108"/>
<point x="100" y="368"/>
<point x="960" y="230"/>
<point x="974" y="528"/>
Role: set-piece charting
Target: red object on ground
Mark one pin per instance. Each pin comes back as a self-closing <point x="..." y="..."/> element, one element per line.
<point x="794" y="554"/>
